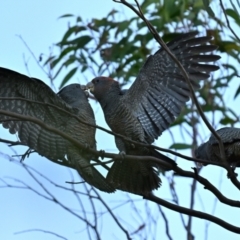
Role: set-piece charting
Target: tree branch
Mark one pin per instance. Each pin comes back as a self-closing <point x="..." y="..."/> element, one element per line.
<point x="193" y="213"/>
<point x="102" y="129"/>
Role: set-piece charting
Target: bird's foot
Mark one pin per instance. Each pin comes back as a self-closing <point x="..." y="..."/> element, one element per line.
<point x="25" y="155"/>
<point x="122" y="154"/>
<point x="87" y="146"/>
<point x="83" y="87"/>
<point x="233" y="172"/>
<point x="102" y="154"/>
<point x="235" y="164"/>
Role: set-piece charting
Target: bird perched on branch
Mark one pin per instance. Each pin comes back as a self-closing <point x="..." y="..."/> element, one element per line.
<point x="74" y="103"/>
<point x="151" y="104"/>
<point x="231" y="142"/>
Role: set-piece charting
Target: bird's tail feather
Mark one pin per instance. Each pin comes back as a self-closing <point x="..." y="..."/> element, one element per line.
<point x="90" y="174"/>
<point x="134" y="176"/>
<point x="159" y="155"/>
<point x="97" y="180"/>
<point x="138" y="177"/>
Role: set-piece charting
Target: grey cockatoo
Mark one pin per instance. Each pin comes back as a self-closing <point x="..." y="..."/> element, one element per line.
<point x="231" y="141"/>
<point x="151" y="104"/>
<point x="71" y="99"/>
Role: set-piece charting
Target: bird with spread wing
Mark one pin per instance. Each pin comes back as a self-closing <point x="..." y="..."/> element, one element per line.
<point x="151" y="104"/>
<point x="33" y="98"/>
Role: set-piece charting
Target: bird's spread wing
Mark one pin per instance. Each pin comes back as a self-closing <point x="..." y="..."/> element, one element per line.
<point x="227" y="134"/>
<point x="46" y="143"/>
<point x="160" y="90"/>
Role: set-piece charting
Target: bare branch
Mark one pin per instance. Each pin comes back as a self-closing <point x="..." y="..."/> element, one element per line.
<point x="98" y="127"/>
<point x="193" y="213"/>
<point x="41" y="230"/>
<point x="207" y="185"/>
<point x="166" y="223"/>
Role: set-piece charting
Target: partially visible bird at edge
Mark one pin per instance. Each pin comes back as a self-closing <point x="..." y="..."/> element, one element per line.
<point x="210" y="150"/>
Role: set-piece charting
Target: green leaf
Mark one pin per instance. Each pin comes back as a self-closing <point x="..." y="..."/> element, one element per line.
<point x="234" y="15"/>
<point x="83" y="41"/>
<point x="228" y="46"/>
<point x="63" y="53"/>
<point x="237" y="92"/>
<point x="121" y="27"/>
<point x="54" y="63"/>
<point x="79" y="19"/>
<point x="208" y="8"/>
<point x="227" y="120"/>
<point x="147" y="3"/>
<point x="68" y="76"/>
<point x="70" y="61"/>
<point x="79" y="42"/>
<point x="180" y="146"/>
<point x="70" y="31"/>
<point x="48" y="60"/>
<point x="66" y="16"/>
<point x="84" y="68"/>
<point x="112" y="13"/>
<point x="205" y="3"/>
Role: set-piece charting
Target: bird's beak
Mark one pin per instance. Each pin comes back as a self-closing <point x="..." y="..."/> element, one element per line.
<point x="83" y="87"/>
<point x="86" y="93"/>
<point x="90" y="86"/>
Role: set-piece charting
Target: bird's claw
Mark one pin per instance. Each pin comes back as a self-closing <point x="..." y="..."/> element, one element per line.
<point x="83" y="87"/>
<point x="25" y="155"/>
<point x="122" y="154"/>
<point x="87" y="146"/>
<point x="229" y="174"/>
<point x="102" y="154"/>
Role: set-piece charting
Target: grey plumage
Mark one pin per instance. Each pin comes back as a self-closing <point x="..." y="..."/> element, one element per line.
<point x="73" y="100"/>
<point x="151" y="104"/>
<point x="231" y="141"/>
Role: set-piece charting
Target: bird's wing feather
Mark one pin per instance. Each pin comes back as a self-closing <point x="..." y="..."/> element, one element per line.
<point x="46" y="143"/>
<point x="160" y="90"/>
<point x="227" y="134"/>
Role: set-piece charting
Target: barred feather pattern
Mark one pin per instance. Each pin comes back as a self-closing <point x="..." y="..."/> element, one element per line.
<point x="210" y="151"/>
<point x="150" y="105"/>
<point x="160" y="90"/>
<point x="72" y="100"/>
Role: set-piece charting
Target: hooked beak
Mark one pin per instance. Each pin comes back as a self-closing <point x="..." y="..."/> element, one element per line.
<point x="84" y="88"/>
<point x="90" y="86"/>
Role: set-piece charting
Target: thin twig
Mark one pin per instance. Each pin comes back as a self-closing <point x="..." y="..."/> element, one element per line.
<point x="228" y="23"/>
<point x="41" y="230"/>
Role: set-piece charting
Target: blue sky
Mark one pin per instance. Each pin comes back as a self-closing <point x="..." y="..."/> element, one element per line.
<point x="38" y="24"/>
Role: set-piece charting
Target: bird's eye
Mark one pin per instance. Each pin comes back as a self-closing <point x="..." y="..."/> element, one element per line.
<point x="97" y="80"/>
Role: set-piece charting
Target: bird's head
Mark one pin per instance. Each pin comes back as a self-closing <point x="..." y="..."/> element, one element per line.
<point x="74" y="94"/>
<point x="102" y="86"/>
